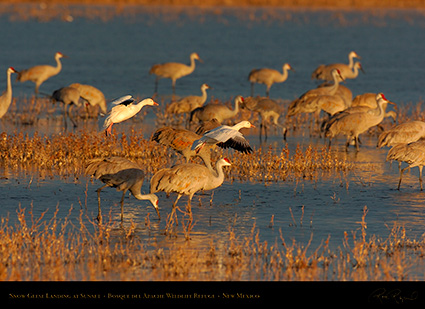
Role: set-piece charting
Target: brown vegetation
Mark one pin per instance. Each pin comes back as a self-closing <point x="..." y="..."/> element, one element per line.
<point x="58" y="249"/>
<point x="274" y="3"/>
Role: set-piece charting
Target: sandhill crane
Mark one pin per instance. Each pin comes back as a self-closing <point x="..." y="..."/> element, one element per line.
<point x="120" y="173"/>
<point x="173" y="70"/>
<point x="218" y="111"/>
<point x="404" y="133"/>
<point x="268" y="77"/>
<point x="92" y="95"/>
<point x="181" y="140"/>
<point x="352" y="125"/>
<point x="225" y="136"/>
<point x="187" y="179"/>
<point x="40" y="73"/>
<point x="189" y="103"/>
<point x="309" y="102"/>
<point x="268" y="110"/>
<point x="124" y="109"/>
<point x="69" y="97"/>
<point x="324" y="72"/>
<point x="413" y="154"/>
<point x="6" y="97"/>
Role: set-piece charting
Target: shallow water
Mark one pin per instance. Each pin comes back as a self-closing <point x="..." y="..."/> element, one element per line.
<point x="116" y="55"/>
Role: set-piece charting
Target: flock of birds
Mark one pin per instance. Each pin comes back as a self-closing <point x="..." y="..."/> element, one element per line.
<point x="347" y="116"/>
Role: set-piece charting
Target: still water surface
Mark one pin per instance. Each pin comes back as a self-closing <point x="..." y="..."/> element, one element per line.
<point x="115" y="56"/>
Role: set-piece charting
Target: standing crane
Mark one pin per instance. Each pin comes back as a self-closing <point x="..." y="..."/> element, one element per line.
<point x="413" y="154"/>
<point x="324" y="72"/>
<point x="124" y="109"/>
<point x="405" y="133"/>
<point x="181" y="141"/>
<point x="122" y="174"/>
<point x="225" y="136"/>
<point x="268" y="110"/>
<point x="218" y="111"/>
<point x="268" y="77"/>
<point x="40" y="73"/>
<point x="354" y="124"/>
<point x="69" y="96"/>
<point x="173" y="70"/>
<point x="92" y="95"/>
<point x="189" y="103"/>
<point x="187" y="179"/>
<point x="6" y="97"/>
<point x="310" y="101"/>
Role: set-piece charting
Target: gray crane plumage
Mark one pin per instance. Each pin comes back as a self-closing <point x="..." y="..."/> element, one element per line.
<point x="122" y="174"/>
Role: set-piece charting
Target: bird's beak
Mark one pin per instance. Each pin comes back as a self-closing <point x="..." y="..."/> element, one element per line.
<point x="200" y="60"/>
<point x="361" y="68"/>
<point x="252" y="126"/>
<point x="154" y="103"/>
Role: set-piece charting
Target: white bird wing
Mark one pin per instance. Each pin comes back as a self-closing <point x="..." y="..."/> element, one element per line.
<point x="125" y="100"/>
<point x="238" y="142"/>
<point x="227" y="137"/>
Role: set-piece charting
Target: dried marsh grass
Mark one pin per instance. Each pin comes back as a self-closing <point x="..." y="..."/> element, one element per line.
<point x="65" y="249"/>
<point x="66" y="155"/>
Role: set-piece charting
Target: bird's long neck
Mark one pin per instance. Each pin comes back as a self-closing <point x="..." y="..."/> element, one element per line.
<point x="192" y="64"/>
<point x="150" y="197"/>
<point x="218" y="176"/>
<point x="58" y="67"/>
<point x="284" y="75"/>
<point x="204" y="94"/>
<point x="333" y="88"/>
<point x="351" y="61"/>
<point x="9" y="85"/>
<point x="236" y="108"/>
<point x="355" y="71"/>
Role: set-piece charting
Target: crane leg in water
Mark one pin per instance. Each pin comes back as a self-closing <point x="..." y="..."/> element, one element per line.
<point x="99" y="212"/>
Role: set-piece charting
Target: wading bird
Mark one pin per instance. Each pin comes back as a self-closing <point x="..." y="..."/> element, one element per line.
<point x="122" y="174"/>
<point x="312" y="100"/>
<point x="268" y="77"/>
<point x="404" y="133"/>
<point x="354" y="124"/>
<point x="92" y="95"/>
<point x="413" y="154"/>
<point x="268" y="110"/>
<point x="187" y="179"/>
<point x="124" y="109"/>
<point x="324" y="72"/>
<point x="40" y="73"/>
<point x="189" y="103"/>
<point x="225" y="136"/>
<point x="69" y="97"/>
<point x="181" y="141"/>
<point x="6" y="97"/>
<point x="218" y="111"/>
<point x="173" y="70"/>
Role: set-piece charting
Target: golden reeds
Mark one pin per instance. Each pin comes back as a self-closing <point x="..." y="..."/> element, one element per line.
<point x="76" y="249"/>
<point x="66" y="154"/>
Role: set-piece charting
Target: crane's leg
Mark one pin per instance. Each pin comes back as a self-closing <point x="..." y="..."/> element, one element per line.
<point x="173" y="212"/>
<point x="420" y="175"/>
<point x="70" y="117"/>
<point x="122" y="205"/>
<point x="347" y="143"/>
<point x="268" y="91"/>
<point x="401" y="175"/>
<point x="99" y="212"/>
<point x="173" y="84"/>
<point x="356" y="141"/>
